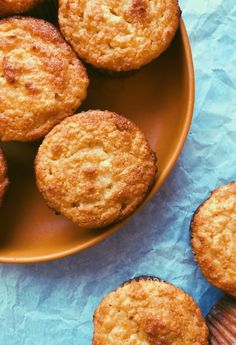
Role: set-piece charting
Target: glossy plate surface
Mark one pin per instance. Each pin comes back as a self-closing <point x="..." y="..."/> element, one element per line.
<point x="159" y="98"/>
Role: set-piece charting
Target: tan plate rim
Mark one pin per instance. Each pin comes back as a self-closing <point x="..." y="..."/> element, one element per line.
<point x="160" y="181"/>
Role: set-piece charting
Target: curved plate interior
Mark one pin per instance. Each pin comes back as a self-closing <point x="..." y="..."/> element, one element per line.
<point x="159" y="98"/>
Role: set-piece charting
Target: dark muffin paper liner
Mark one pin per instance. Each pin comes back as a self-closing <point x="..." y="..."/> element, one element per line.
<point x="47" y="10"/>
<point x="221" y="321"/>
<point x="113" y="74"/>
<point x="144" y="277"/>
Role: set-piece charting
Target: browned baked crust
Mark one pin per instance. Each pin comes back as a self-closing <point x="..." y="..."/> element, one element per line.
<point x="119" y="35"/>
<point x="221" y="321"/>
<point x="42" y="80"/>
<point x="16" y="6"/>
<point x="95" y="168"/>
<point x="149" y="311"/>
<point x="4" y="182"/>
<point x="214" y="238"/>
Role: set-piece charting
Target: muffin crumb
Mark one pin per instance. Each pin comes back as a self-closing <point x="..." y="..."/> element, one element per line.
<point x="4" y="182"/>
<point x="42" y="80"/>
<point x="214" y="238"/>
<point x="119" y="36"/>
<point x="95" y="168"/>
<point x="148" y="311"/>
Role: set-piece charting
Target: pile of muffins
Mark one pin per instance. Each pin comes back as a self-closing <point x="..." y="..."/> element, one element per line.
<point x="96" y="167"/>
<point x="148" y="310"/>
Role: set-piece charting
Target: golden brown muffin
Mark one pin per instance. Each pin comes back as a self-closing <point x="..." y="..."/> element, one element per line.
<point x="42" y="81"/>
<point x="119" y="35"/>
<point x="214" y="238"/>
<point x="3" y="176"/>
<point x="16" y="6"/>
<point x="149" y="312"/>
<point x="95" y="168"/>
<point x="221" y="321"/>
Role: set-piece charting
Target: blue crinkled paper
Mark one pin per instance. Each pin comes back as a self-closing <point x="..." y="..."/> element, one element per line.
<point x="53" y="303"/>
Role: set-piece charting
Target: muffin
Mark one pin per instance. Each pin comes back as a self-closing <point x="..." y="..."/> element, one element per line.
<point x="149" y="311"/>
<point x="95" y="168"/>
<point x="214" y="238"/>
<point x="42" y="81"/>
<point x="3" y="176"/>
<point x="221" y="322"/>
<point x="118" y="35"/>
<point x="16" y="6"/>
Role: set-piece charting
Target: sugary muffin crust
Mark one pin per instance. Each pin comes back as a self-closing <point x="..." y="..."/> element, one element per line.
<point x="42" y="81"/>
<point x="16" y="6"/>
<point x="119" y="35"/>
<point x="3" y="176"/>
<point x="95" y="168"/>
<point x="149" y="312"/>
<point x="214" y="238"/>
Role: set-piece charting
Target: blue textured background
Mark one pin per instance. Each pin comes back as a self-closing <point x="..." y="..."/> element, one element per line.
<point x="53" y="303"/>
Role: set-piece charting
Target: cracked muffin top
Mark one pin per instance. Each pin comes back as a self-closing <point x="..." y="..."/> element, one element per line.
<point x="95" y="168"/>
<point x="214" y="238"/>
<point x="149" y="311"/>
<point x="3" y="176"/>
<point x="42" y="80"/>
<point x="16" y="6"/>
<point x="119" y="35"/>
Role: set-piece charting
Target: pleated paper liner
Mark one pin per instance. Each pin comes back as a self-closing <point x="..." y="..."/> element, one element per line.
<point x="221" y="321"/>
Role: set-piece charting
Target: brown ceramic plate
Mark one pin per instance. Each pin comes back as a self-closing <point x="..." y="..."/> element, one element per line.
<point x="159" y="98"/>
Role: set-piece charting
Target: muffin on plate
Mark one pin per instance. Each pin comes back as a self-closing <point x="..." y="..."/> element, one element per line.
<point x="118" y="35"/>
<point x="149" y="311"/>
<point x="95" y="168"/>
<point x="42" y="80"/>
<point x="221" y="322"/>
<point x="16" y="6"/>
<point x="3" y="176"/>
<point x="213" y="241"/>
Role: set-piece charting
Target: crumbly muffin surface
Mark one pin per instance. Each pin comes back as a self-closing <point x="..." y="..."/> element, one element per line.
<point x="3" y="176"/>
<point x="149" y="312"/>
<point x="16" y="6"/>
<point x="119" y="35"/>
<point x="41" y="79"/>
<point x="95" y="168"/>
<point x="214" y="238"/>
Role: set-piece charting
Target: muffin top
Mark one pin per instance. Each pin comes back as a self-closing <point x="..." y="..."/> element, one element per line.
<point x="221" y="321"/>
<point x="42" y="81"/>
<point x="214" y="238"/>
<point x="16" y="6"/>
<point x="95" y="168"/>
<point x="119" y="35"/>
<point x="3" y="176"/>
<point x="149" y="312"/>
